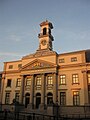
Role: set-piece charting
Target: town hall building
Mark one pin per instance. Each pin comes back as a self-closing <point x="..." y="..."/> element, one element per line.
<point x="46" y="77"/>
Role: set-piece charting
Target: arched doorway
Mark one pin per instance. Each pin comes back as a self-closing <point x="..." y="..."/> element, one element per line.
<point x="49" y="98"/>
<point x="27" y="99"/>
<point x="38" y="100"/>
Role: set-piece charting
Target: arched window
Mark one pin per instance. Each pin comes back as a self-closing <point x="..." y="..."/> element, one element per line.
<point x="27" y="94"/>
<point x="49" y="98"/>
<point x="50" y="31"/>
<point x="44" y="31"/>
<point x="27" y="99"/>
<point x="38" y="100"/>
<point x="38" y="94"/>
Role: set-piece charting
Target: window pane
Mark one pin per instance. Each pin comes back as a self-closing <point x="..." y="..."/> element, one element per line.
<point x="61" y="60"/>
<point x="75" y="79"/>
<point x="62" y="98"/>
<point x="73" y="59"/>
<point x="38" y="81"/>
<point x="76" y="98"/>
<point x="10" y="66"/>
<point x="28" y="81"/>
<point x="18" y="83"/>
<point x="7" y="98"/>
<point x="49" y="80"/>
<point x="62" y="79"/>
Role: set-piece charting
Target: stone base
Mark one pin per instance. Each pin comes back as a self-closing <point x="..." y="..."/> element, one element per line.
<point x="41" y="106"/>
<point x="30" y="106"/>
<point x="50" y="110"/>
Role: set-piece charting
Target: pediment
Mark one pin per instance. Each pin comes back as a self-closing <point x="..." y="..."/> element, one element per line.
<point x="38" y="64"/>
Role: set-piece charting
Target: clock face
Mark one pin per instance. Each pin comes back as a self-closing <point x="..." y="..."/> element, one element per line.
<point x="43" y="42"/>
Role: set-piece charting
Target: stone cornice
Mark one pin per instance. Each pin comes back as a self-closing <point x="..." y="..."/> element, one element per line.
<point x="74" y="65"/>
<point x="11" y="72"/>
<point x="40" y="53"/>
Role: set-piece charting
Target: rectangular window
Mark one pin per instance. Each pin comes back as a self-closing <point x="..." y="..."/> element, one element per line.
<point x="10" y="66"/>
<point x="28" y="81"/>
<point x="19" y="65"/>
<point x="8" y="82"/>
<point x="62" y="79"/>
<point x="75" y="79"/>
<point x="18" y="83"/>
<point x="17" y="97"/>
<point x="38" y="81"/>
<point x="49" y="80"/>
<point x="61" y="60"/>
<point x="0" y="80"/>
<point x="89" y="93"/>
<point x="7" y="98"/>
<point x="62" y="98"/>
<point x="88" y="78"/>
<point x="73" y="59"/>
<point x="76" y="98"/>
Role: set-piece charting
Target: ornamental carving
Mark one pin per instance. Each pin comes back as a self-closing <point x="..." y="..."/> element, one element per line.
<point x="36" y="64"/>
<point x="39" y="65"/>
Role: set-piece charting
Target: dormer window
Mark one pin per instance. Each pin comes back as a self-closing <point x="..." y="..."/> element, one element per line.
<point x="10" y="66"/>
<point x="19" y="65"/>
<point x="44" y="31"/>
<point x="62" y="60"/>
<point x="73" y="59"/>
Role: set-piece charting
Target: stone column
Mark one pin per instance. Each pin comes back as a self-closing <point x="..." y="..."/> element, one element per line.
<point x="32" y="93"/>
<point x="42" y="92"/>
<point x="85" y="86"/>
<point x="54" y="88"/>
<point x="22" y="89"/>
<point x="2" y="90"/>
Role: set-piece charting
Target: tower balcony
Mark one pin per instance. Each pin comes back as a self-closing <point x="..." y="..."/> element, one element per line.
<point x="40" y="35"/>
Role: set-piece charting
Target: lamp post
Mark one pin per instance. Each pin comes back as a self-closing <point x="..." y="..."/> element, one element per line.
<point x="57" y="107"/>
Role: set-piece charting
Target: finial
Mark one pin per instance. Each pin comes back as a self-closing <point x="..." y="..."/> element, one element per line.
<point x="46" y="20"/>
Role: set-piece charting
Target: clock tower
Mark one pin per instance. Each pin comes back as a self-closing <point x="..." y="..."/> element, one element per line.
<point x="45" y="36"/>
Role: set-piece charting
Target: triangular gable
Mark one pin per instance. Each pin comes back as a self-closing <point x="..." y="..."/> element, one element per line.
<point x="37" y="64"/>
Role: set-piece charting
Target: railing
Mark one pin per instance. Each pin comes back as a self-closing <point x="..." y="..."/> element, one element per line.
<point x="75" y="117"/>
<point x="8" y="115"/>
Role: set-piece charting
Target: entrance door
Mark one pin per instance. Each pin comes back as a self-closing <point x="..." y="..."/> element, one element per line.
<point x="38" y="100"/>
<point x="27" y="99"/>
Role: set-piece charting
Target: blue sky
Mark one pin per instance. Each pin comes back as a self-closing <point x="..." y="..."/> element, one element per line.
<point x="19" y="26"/>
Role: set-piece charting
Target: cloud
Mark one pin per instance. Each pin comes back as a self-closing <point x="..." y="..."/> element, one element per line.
<point x="15" y="37"/>
<point x="10" y="54"/>
<point x="73" y="34"/>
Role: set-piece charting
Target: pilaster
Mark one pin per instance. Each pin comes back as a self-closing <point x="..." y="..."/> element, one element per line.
<point x="85" y="86"/>
<point x="54" y="88"/>
<point x="22" y="89"/>
<point x="32" y="92"/>
<point x="43" y="92"/>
